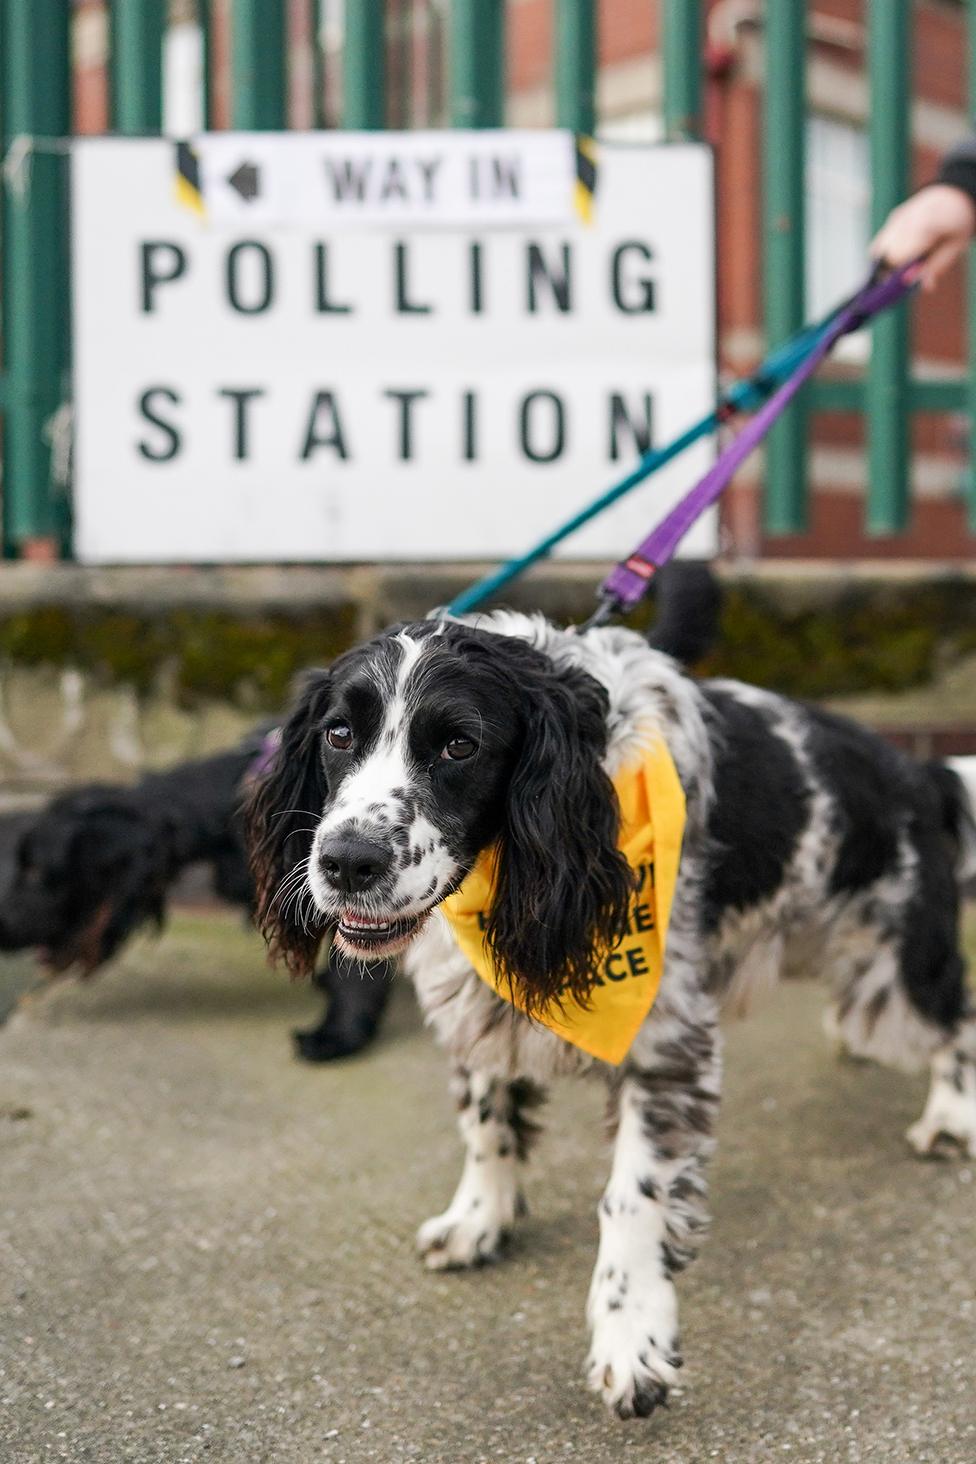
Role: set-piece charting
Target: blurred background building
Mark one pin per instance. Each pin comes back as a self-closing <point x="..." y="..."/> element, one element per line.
<point x="629" y="105"/>
<point x="822" y="115"/>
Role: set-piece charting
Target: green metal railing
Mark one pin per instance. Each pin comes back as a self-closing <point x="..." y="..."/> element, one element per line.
<point x="784" y="224"/>
<point x="35" y="123"/>
<point x="364" y="68"/>
<point x="887" y="396"/>
<point x="477" y="63"/>
<point x="682" y="57"/>
<point x="576" y="49"/>
<point x="258" y="50"/>
<point x="136" y="30"/>
<point x="887" y="383"/>
<point x="34" y="97"/>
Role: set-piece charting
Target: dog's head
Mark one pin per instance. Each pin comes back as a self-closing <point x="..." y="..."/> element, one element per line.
<point x="400" y="765"/>
<point x="82" y="875"/>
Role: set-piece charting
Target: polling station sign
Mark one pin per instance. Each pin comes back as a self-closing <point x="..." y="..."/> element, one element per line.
<point x="353" y="346"/>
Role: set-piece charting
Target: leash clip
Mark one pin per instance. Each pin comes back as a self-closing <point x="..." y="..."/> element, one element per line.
<point x="607" y="608"/>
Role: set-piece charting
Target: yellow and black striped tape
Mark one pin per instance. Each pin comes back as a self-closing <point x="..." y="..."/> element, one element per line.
<point x="585" y="188"/>
<point x="186" y="185"/>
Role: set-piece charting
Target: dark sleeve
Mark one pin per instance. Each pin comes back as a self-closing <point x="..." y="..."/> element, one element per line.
<point x="959" y="167"/>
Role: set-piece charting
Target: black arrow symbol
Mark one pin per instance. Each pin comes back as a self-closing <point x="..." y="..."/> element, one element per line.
<point x="246" y="180"/>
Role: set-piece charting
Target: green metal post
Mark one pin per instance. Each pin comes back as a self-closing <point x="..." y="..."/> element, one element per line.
<point x="889" y="28"/>
<point x="682" y="53"/>
<point x="205" y="21"/>
<point x="576" y="55"/>
<point x="136" y="65"/>
<point x="364" y="66"/>
<point x="259" y="92"/>
<point x="35" y="95"/>
<point x="477" y="63"/>
<point x="971" y="379"/>
<point x="785" y="485"/>
<point x="3" y="154"/>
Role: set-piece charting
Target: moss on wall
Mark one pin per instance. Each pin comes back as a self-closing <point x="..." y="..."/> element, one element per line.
<point x="808" y="640"/>
<point x="867" y="638"/>
<point x="246" y="658"/>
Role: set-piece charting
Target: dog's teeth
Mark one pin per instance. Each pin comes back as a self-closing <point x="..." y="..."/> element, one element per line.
<point x="356" y="922"/>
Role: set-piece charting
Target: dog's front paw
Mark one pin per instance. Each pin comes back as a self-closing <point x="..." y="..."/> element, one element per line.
<point x="630" y="1366"/>
<point x="943" y="1136"/>
<point x="948" y="1125"/>
<point x="632" y="1386"/>
<point x="469" y="1237"/>
<point x="328" y="1044"/>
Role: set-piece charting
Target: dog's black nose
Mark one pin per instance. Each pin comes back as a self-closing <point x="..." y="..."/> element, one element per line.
<point x="352" y="864"/>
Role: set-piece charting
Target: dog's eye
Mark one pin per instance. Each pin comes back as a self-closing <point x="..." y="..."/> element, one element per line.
<point x="458" y="749"/>
<point x="340" y="736"/>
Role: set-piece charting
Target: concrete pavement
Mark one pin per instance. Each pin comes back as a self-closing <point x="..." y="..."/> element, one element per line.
<point x="206" y="1247"/>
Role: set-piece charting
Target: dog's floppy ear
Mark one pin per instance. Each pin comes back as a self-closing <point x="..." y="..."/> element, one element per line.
<point x="281" y="811"/>
<point x="562" y="887"/>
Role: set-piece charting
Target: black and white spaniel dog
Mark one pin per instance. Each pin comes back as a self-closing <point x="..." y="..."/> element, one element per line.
<point x="808" y="844"/>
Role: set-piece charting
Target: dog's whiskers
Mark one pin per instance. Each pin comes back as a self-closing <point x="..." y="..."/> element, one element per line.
<point x="292" y="886"/>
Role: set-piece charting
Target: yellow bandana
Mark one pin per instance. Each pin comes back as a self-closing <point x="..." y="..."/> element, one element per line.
<point x="652" y="821"/>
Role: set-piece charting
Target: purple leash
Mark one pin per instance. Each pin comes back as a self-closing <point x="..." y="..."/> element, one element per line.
<point x="628" y="582"/>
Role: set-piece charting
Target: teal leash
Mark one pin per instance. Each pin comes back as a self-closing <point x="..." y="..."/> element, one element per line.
<point x="745" y="396"/>
<point x="630" y="579"/>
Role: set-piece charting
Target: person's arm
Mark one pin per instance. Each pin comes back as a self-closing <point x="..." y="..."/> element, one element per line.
<point x="938" y="221"/>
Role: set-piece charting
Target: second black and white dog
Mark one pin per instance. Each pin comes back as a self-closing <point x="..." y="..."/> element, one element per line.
<point x="809" y="844"/>
<point x="79" y="877"/>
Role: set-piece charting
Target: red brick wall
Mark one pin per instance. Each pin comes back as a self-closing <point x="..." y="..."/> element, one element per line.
<point x="627" y="30"/>
<point x="89" y="101"/>
<point x="529" y="44"/>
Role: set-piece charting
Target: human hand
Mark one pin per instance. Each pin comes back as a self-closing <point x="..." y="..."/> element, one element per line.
<point x="938" y="222"/>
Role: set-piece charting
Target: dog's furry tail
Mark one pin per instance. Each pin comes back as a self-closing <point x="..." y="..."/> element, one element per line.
<point x="689" y="601"/>
<point x="955" y="780"/>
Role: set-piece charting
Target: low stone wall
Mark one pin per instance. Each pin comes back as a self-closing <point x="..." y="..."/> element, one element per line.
<point x="104" y="673"/>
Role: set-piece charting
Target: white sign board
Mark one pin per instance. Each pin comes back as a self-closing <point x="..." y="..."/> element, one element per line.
<point x="341" y="346"/>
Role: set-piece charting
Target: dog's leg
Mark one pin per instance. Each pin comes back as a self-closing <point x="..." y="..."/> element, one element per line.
<point x="653" y="1209"/>
<point x="950" y="1110"/>
<point x="357" y="1001"/>
<point x="906" y="1002"/>
<point x="497" y="1132"/>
